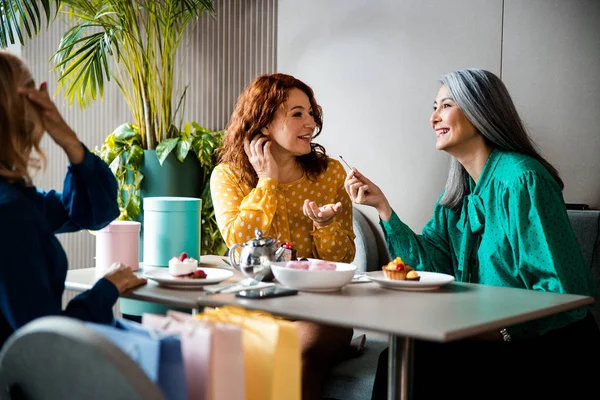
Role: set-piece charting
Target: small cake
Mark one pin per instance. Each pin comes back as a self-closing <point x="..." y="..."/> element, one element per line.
<point x="289" y="254"/>
<point x="396" y="270"/>
<point x="182" y="265"/>
<point x="412" y="276"/>
<point x="321" y="266"/>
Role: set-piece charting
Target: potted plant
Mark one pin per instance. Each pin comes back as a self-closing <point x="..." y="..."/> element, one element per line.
<point x="134" y="44"/>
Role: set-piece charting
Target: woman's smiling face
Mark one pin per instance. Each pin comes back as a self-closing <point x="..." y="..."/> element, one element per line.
<point x="293" y="125"/>
<point x="452" y="128"/>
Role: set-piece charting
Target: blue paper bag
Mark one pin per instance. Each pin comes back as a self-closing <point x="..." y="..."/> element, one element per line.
<point x="157" y="353"/>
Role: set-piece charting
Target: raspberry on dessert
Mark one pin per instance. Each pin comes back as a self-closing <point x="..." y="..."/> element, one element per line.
<point x="199" y="274"/>
<point x="183" y="256"/>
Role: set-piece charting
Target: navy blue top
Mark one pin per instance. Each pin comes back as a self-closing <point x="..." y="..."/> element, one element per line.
<point x="33" y="264"/>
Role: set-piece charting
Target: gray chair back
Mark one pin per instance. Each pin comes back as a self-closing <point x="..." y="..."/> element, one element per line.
<point x="62" y="358"/>
<point x="367" y="255"/>
<point x="586" y="224"/>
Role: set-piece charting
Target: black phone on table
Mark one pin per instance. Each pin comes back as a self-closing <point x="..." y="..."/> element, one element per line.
<point x="266" y="293"/>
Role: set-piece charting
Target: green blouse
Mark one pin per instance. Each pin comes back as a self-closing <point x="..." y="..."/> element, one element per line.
<point x="511" y="231"/>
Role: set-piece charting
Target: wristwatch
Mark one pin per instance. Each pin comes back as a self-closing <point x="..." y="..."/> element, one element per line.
<point x="505" y="335"/>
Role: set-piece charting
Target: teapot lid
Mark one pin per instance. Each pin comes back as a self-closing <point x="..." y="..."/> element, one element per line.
<point x="260" y="241"/>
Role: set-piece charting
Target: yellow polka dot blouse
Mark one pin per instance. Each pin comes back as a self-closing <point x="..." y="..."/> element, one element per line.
<point x="276" y="209"/>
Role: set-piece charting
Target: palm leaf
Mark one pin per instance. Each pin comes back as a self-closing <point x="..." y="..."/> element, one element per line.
<point x="18" y="17"/>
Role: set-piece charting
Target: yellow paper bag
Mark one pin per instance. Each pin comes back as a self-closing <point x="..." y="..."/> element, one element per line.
<point x="271" y="352"/>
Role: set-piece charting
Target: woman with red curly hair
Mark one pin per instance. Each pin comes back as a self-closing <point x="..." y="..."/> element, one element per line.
<point x="272" y="176"/>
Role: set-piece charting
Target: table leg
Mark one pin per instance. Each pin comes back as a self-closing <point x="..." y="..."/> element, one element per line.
<point x="400" y="356"/>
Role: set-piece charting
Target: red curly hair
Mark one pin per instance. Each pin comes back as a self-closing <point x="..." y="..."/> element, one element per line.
<point x="254" y="110"/>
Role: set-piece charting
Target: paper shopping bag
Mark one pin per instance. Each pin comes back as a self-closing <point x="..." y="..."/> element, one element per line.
<point x="157" y="353"/>
<point x="271" y="352"/>
<point x="212" y="354"/>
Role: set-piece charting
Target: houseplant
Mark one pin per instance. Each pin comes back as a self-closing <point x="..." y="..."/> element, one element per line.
<point x="134" y="44"/>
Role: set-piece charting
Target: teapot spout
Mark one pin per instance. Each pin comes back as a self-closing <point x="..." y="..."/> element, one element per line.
<point x="279" y="254"/>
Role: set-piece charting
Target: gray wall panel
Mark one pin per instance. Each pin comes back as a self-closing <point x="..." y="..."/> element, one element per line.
<point x="551" y="65"/>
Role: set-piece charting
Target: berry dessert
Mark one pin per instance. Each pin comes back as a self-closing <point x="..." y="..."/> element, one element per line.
<point x="396" y="270"/>
<point x="317" y="265"/>
<point x="289" y="254"/>
<point x="321" y="266"/>
<point x="182" y="265"/>
<point x="298" y="264"/>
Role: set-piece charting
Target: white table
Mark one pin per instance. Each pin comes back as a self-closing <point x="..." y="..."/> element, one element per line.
<point x="455" y="311"/>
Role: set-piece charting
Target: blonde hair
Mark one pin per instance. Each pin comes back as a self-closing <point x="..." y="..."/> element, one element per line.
<point x="21" y="129"/>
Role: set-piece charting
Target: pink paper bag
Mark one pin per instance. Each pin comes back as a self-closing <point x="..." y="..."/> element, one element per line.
<point x="212" y="355"/>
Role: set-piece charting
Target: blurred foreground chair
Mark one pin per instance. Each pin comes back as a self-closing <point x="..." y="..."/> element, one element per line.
<point x="58" y="357"/>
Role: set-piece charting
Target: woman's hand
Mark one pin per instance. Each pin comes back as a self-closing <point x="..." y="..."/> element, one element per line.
<point x="363" y="191"/>
<point x="123" y="277"/>
<point x="259" y="154"/>
<point x="321" y="216"/>
<point x="54" y="123"/>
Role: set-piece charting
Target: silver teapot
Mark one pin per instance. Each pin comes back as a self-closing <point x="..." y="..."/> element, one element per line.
<point x="256" y="257"/>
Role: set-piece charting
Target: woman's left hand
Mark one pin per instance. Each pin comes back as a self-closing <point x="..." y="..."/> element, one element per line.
<point x="54" y="123"/>
<point x="321" y="216"/>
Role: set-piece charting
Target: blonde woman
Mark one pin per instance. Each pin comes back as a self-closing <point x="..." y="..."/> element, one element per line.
<point x="33" y="264"/>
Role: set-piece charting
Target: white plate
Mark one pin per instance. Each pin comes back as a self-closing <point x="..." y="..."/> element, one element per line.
<point x="428" y="281"/>
<point x="314" y="281"/>
<point x="162" y="277"/>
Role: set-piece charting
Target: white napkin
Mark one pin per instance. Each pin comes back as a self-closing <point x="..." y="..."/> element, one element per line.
<point x="244" y="284"/>
<point x="360" y="278"/>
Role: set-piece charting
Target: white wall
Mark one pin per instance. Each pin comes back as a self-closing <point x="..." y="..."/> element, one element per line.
<point x="375" y="67"/>
<point x="551" y="64"/>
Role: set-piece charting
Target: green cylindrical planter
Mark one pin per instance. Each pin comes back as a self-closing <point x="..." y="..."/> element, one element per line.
<point x="173" y="178"/>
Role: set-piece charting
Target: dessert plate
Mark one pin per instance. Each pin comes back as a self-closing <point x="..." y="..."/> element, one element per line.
<point x="163" y="278"/>
<point x="428" y="281"/>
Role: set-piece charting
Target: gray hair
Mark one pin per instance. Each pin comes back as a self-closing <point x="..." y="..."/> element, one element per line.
<point x="486" y="103"/>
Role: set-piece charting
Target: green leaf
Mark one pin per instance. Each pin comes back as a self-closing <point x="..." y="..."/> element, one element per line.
<point x="114" y="165"/>
<point x="183" y="147"/>
<point x="135" y="157"/>
<point x="165" y="148"/>
<point x="125" y="132"/>
<point x="133" y="206"/>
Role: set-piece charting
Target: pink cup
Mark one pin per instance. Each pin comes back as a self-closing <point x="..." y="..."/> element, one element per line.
<point x="118" y="242"/>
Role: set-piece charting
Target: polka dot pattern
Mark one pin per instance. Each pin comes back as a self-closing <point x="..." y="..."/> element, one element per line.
<point x="526" y="240"/>
<point x="276" y="209"/>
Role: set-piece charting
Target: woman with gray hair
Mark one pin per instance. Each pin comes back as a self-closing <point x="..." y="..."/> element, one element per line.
<point x="500" y="221"/>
